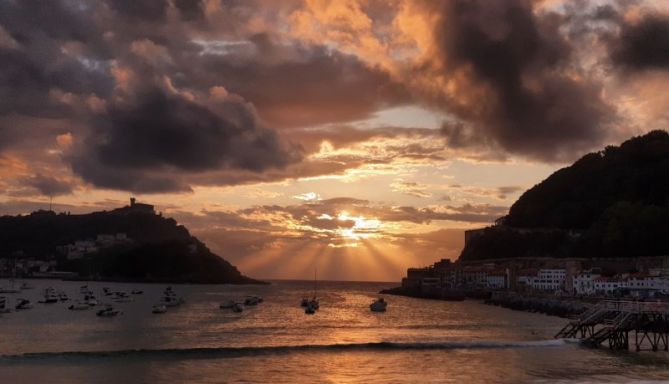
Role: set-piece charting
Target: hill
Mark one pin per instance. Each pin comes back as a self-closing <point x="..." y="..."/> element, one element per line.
<point x="129" y="243"/>
<point x="612" y="203"/>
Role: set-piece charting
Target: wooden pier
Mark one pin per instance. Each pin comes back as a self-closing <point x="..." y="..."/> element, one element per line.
<point x="612" y="321"/>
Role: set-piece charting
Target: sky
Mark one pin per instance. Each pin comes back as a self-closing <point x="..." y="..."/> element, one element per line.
<point x="356" y="137"/>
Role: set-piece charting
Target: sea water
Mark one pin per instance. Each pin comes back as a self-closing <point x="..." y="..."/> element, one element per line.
<point x="414" y="341"/>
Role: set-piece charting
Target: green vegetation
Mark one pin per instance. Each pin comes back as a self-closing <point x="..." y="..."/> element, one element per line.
<point x="160" y="249"/>
<point x="613" y="203"/>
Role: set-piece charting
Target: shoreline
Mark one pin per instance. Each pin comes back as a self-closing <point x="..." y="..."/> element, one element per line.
<point x="552" y="306"/>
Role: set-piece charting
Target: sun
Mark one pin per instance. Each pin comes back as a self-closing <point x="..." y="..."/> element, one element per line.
<point x="362" y="228"/>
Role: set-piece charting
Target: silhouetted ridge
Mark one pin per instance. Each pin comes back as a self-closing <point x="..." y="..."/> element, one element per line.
<point x="152" y="247"/>
<point x="612" y="203"/>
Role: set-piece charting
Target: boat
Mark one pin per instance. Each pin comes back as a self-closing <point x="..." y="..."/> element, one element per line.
<point x="78" y="306"/>
<point x="22" y="304"/>
<point x="252" y="301"/>
<point x="50" y="296"/>
<point x="3" y="305"/>
<point x="62" y="296"/>
<point x="238" y="307"/>
<point x="159" y="308"/>
<point x="378" y="305"/>
<point x="227" y="305"/>
<point x="91" y="300"/>
<point x="107" y="291"/>
<point x="312" y="305"/>
<point x="84" y="290"/>
<point x="108" y="311"/>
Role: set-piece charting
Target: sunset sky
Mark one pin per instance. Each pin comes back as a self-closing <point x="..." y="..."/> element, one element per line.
<point x="359" y="137"/>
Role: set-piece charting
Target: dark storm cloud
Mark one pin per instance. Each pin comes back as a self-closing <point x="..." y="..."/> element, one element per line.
<point x="642" y="45"/>
<point x="49" y="186"/>
<point x="520" y="61"/>
<point x="295" y="84"/>
<point x="168" y="132"/>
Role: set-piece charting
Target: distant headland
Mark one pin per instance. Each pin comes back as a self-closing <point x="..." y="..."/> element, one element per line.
<point x="130" y="243"/>
<point x="595" y="229"/>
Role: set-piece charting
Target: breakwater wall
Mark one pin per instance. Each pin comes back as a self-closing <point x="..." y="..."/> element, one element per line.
<point x="550" y="306"/>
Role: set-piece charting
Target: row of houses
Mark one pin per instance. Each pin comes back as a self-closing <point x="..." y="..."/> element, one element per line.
<point x="80" y="248"/>
<point x="565" y="280"/>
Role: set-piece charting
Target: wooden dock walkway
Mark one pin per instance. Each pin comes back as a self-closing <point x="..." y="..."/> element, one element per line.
<point x="612" y="321"/>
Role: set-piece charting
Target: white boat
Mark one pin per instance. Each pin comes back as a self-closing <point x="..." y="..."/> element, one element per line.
<point x="378" y="305"/>
<point x="108" y="311"/>
<point x="3" y="305"/>
<point x="238" y="307"/>
<point x="50" y="296"/>
<point x="22" y="304"/>
<point x="90" y="300"/>
<point x="78" y="306"/>
<point x="159" y="309"/>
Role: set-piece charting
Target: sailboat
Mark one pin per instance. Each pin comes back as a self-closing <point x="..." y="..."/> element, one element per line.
<point x="312" y="305"/>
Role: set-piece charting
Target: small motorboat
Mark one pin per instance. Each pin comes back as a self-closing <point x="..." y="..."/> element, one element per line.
<point x="378" y="305"/>
<point x="78" y="306"/>
<point x="159" y="308"/>
<point x="3" y="305"/>
<point x="50" y="297"/>
<point x="90" y="300"/>
<point x="252" y="301"/>
<point x="108" y="311"/>
<point x="22" y="304"/>
<point x="84" y="290"/>
<point x="137" y="292"/>
<point x="227" y="305"/>
<point x="238" y="307"/>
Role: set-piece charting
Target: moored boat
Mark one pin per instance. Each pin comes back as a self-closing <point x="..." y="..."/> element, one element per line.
<point x="108" y="311"/>
<point x="378" y="305"/>
<point x="159" y="308"/>
<point x="22" y="304"/>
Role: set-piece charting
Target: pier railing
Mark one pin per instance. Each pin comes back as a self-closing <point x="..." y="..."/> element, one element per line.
<point x="614" y="320"/>
<point x="636" y="306"/>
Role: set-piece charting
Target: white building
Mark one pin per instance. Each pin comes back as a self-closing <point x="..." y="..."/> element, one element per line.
<point x="496" y="280"/>
<point x="584" y="282"/>
<point x="544" y="279"/>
